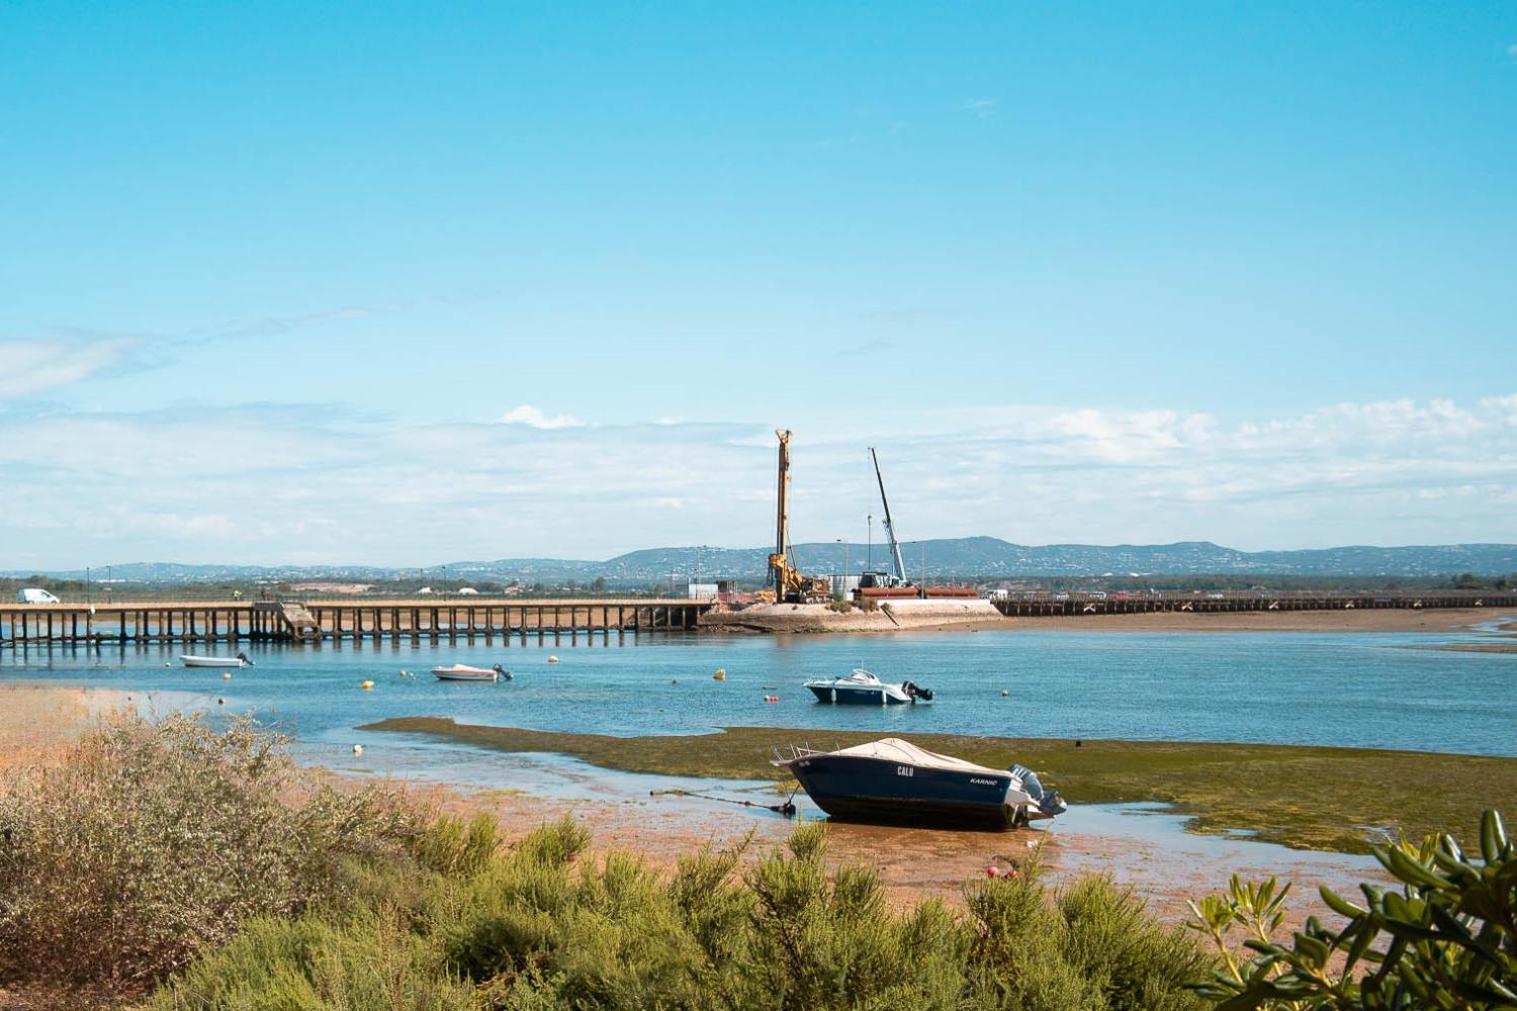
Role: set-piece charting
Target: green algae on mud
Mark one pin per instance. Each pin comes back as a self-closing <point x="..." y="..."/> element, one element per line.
<point x="1305" y="797"/>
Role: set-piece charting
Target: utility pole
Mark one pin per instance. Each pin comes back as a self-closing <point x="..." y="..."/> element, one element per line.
<point x="87" y="584"/>
<point x="870" y="566"/>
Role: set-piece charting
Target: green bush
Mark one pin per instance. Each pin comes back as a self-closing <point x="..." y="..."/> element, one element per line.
<point x="154" y="841"/>
<point x="538" y="926"/>
<point x="1446" y="938"/>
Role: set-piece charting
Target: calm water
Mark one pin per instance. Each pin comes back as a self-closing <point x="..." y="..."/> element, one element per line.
<point x="1358" y="690"/>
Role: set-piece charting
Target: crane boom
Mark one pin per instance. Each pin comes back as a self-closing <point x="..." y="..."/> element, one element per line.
<point x="895" y="545"/>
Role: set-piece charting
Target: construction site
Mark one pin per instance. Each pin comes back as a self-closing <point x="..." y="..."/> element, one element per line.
<point x="885" y="599"/>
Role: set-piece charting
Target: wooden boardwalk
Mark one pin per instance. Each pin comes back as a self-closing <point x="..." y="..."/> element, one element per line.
<point x="290" y="621"/>
<point x="1049" y="604"/>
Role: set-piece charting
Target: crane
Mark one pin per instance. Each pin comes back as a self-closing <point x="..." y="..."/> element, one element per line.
<point x="895" y="545"/>
<point x="789" y="583"/>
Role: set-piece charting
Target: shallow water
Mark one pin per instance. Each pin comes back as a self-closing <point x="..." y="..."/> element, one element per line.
<point x="1357" y="690"/>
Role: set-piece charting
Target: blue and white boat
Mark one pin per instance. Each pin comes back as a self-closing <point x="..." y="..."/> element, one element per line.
<point x="895" y="782"/>
<point x="863" y="688"/>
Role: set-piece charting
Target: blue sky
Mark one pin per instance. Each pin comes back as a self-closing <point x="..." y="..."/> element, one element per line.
<point x="403" y="283"/>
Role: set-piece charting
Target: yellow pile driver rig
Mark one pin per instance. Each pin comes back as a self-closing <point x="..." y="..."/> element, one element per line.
<point x="790" y="586"/>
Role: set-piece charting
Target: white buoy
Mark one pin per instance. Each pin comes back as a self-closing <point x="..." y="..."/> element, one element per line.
<point x="553" y="659"/>
<point x="1004" y="693"/>
<point x="358" y="749"/>
<point x="227" y="676"/>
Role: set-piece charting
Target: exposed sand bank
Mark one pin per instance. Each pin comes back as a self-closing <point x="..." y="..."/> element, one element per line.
<point x="1454" y="619"/>
<point x="915" y="863"/>
<point x="38" y="722"/>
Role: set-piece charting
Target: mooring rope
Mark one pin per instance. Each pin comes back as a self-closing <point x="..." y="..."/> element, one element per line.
<point x="787" y="808"/>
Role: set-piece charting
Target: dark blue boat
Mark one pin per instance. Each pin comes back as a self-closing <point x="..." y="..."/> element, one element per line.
<point x="895" y="782"/>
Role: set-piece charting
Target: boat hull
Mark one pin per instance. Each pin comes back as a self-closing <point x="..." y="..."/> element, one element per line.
<point x="211" y="661"/>
<point x="444" y="674"/>
<point x="886" y="695"/>
<point x="870" y="790"/>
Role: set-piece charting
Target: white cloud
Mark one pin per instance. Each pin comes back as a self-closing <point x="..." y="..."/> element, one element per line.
<point x="270" y="484"/>
<point x="32" y="367"/>
<point x="981" y="107"/>
<point x="533" y="417"/>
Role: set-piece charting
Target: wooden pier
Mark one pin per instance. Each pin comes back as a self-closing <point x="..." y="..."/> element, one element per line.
<point x="1047" y="604"/>
<point x="290" y="621"/>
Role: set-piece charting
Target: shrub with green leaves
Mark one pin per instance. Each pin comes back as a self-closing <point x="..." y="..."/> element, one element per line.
<point x="542" y="926"/>
<point x="152" y="842"/>
<point x="1446" y="938"/>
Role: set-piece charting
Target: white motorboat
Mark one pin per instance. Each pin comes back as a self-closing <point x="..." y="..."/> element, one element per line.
<point x="463" y="672"/>
<point x="863" y="688"/>
<point x="240" y="660"/>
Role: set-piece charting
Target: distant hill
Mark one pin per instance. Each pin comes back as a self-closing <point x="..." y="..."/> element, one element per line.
<point x="967" y="557"/>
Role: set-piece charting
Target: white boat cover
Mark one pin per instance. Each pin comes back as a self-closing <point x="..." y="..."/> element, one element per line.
<point x="893" y="749"/>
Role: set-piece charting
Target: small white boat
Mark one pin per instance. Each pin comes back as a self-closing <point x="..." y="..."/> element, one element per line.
<point x="863" y="688"/>
<point x="463" y="672"/>
<point x="240" y="660"/>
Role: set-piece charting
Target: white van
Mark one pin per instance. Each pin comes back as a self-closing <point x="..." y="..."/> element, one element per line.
<point x="32" y="595"/>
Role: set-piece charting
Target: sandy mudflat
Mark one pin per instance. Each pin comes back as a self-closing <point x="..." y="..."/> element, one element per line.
<point x="37" y="722"/>
<point x="1379" y="620"/>
<point x="915" y="864"/>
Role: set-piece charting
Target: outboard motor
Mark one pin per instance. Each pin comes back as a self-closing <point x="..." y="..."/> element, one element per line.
<point x="1048" y="801"/>
<point x="914" y="692"/>
<point x="505" y="675"/>
<point x="244" y="658"/>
